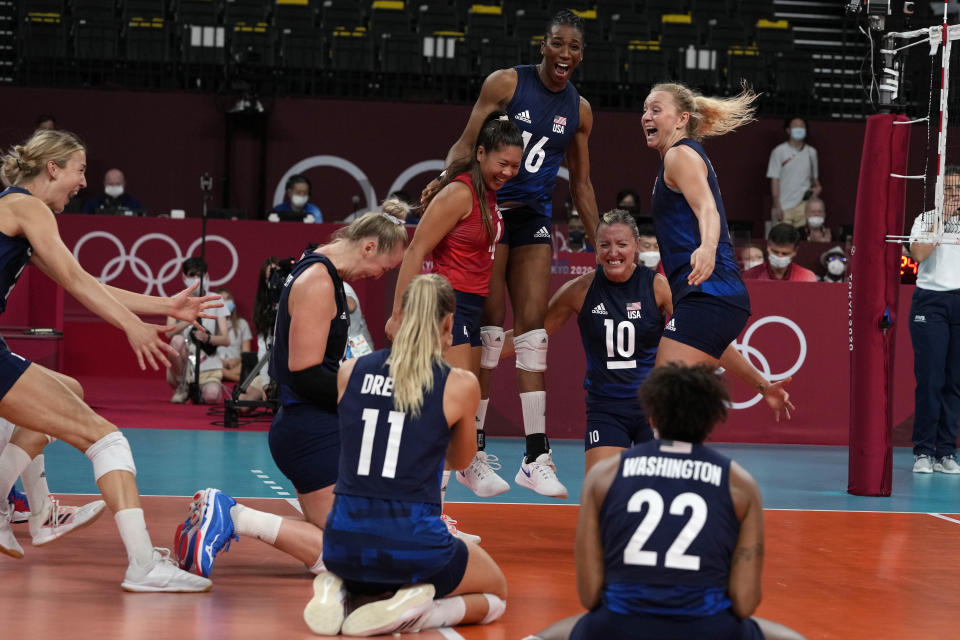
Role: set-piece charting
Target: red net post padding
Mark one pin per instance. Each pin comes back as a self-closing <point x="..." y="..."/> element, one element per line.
<point x="874" y="287"/>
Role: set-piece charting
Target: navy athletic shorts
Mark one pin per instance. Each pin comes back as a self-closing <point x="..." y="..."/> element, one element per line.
<point x="523" y="226"/>
<point x="305" y="444"/>
<point x="705" y="322"/>
<point x="615" y="422"/>
<point x="378" y="545"/>
<point x="12" y="367"/>
<point x="466" y="319"/>
<point x="603" y="623"/>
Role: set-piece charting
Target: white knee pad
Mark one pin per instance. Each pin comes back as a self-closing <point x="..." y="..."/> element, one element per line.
<point x="6" y="430"/>
<point x="495" y="608"/>
<point x="531" y="348"/>
<point x="111" y="453"/>
<point x="491" y="339"/>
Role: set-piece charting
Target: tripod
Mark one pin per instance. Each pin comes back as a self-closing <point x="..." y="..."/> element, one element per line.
<point x="206" y="186"/>
<point x="232" y="404"/>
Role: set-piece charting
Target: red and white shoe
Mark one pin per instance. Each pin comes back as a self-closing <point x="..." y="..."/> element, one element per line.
<point x="59" y="521"/>
<point x="456" y="533"/>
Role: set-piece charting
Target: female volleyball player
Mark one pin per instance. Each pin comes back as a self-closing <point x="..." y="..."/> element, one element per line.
<point x="460" y="228"/>
<point x="691" y="223"/>
<point x="403" y="412"/>
<point x="309" y="342"/>
<point x="41" y="176"/>
<point x="555" y="122"/>
<point x="670" y="533"/>
<point x="620" y="309"/>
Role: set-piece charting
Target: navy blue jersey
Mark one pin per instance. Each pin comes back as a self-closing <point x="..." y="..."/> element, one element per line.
<point x="620" y="328"/>
<point x="668" y="529"/>
<point x="385" y="453"/>
<point x="678" y="234"/>
<point x="336" y="338"/>
<point x="14" y="255"/>
<point x="548" y="121"/>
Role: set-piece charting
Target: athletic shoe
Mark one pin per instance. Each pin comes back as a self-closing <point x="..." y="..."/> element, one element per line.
<point x="541" y="476"/>
<point x="8" y="543"/>
<point x="923" y="464"/>
<point x="181" y="543"/>
<point x="20" y="507"/>
<point x="163" y="575"/>
<point x="946" y="464"/>
<point x="456" y="533"/>
<point x="481" y="476"/>
<point x="396" y="614"/>
<point x="213" y="529"/>
<point x="60" y="521"/>
<point x="181" y="394"/>
<point x="325" y="611"/>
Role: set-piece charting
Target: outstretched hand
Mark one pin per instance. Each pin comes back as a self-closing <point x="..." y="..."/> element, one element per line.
<point x="393" y="326"/>
<point x="778" y="399"/>
<point x="189" y="308"/>
<point x="148" y="346"/>
<point x="432" y="187"/>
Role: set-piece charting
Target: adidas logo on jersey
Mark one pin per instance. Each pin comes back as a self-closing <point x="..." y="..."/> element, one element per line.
<point x="524" y="116"/>
<point x="600" y="310"/>
<point x="543" y="232"/>
<point x="670" y="326"/>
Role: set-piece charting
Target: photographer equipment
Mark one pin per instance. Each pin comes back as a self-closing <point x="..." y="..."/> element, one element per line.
<point x="206" y="186"/>
<point x="275" y="278"/>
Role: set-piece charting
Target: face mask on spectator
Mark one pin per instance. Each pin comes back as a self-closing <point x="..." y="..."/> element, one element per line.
<point x="836" y="267"/>
<point x="815" y="222"/>
<point x="650" y="259"/>
<point x="298" y="201"/>
<point x="779" y="262"/>
<point x="750" y="264"/>
<point x="798" y="133"/>
<point x="188" y="282"/>
<point x="229" y="306"/>
<point x="113" y="190"/>
<point x="576" y="237"/>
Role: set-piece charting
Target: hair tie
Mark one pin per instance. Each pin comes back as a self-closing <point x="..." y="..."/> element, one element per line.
<point x="503" y="118"/>
<point x="394" y="219"/>
<point x="19" y="164"/>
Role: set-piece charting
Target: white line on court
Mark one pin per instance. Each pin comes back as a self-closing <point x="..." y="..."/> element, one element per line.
<point x="446" y="632"/>
<point x="943" y="517"/>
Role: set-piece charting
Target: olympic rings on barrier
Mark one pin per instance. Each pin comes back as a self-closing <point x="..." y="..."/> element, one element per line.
<point x="143" y="271"/>
<point x="755" y="357"/>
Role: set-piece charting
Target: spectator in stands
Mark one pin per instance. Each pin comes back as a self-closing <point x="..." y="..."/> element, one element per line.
<point x="46" y="121"/>
<point x="835" y="262"/>
<point x="238" y="330"/>
<point x="296" y="207"/>
<point x="782" y="244"/>
<point x="793" y="173"/>
<point x="190" y="342"/>
<point x="628" y="200"/>
<point x="577" y="235"/>
<point x="114" y="199"/>
<point x="816" y="213"/>
<point x="750" y="256"/>
<point x="649" y="253"/>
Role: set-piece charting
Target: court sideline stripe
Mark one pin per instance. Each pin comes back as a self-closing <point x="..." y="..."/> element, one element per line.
<point x="450" y="634"/>
<point x="943" y="517"/>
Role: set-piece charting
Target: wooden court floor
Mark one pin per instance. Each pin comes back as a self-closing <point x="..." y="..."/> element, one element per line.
<point x="828" y="574"/>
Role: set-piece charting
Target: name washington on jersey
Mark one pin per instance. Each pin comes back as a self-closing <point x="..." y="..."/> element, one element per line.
<point x="675" y="468"/>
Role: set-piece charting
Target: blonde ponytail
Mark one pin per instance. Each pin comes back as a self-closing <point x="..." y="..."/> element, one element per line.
<point x="711" y="116"/>
<point x="419" y="343"/>
<point x="24" y="162"/>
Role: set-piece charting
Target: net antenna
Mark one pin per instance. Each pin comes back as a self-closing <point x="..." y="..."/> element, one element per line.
<point x="932" y="231"/>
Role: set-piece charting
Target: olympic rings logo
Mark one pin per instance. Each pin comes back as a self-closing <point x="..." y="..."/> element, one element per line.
<point x="143" y="271"/>
<point x="755" y="357"/>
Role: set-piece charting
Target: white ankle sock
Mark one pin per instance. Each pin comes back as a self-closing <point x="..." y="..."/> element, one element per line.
<point x="495" y="608"/>
<point x="13" y="460"/>
<point x="136" y="538"/>
<point x="443" y="486"/>
<point x="35" y="484"/>
<point x="534" y="407"/>
<point x="446" y="612"/>
<point x="259" y="524"/>
<point x="6" y="430"/>
<point x="482" y="413"/>
<point x="318" y="566"/>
